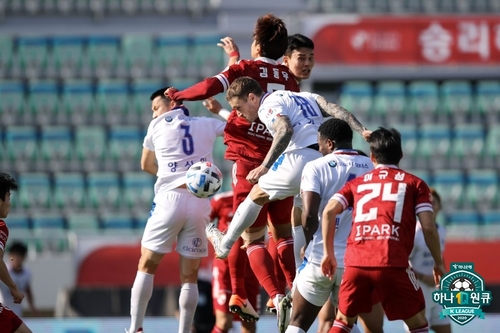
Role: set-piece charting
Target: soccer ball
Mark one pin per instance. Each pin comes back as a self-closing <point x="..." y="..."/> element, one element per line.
<point x="462" y="284"/>
<point x="203" y="179"/>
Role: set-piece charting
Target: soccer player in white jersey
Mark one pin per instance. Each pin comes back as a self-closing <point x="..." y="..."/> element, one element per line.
<point x="172" y="144"/>
<point x="293" y="120"/>
<point x="422" y="263"/>
<point x="321" y="179"/>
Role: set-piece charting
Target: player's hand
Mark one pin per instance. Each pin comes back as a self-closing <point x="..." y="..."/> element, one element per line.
<point x="170" y="93"/>
<point x="212" y="105"/>
<point x="366" y="134"/>
<point x="254" y="175"/>
<point x="229" y="46"/>
<point x="17" y="295"/>
<point x="438" y="272"/>
<point x="329" y="266"/>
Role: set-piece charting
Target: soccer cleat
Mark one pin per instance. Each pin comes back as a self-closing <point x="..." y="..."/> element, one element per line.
<point x="284" y="306"/>
<point x="243" y="308"/>
<point x="270" y="306"/>
<point x="214" y="235"/>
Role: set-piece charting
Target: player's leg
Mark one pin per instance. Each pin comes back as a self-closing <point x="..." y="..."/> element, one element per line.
<point x="373" y="322"/>
<point x="188" y="298"/>
<point x="221" y="292"/>
<point x="273" y="251"/>
<point x="326" y="316"/>
<point x="299" y="239"/>
<point x="433" y="310"/>
<point x="10" y="322"/>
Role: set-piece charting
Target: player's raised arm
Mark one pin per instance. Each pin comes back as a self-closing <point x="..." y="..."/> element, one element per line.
<point x="431" y="237"/>
<point x="328" y="224"/>
<point x="334" y="110"/>
<point x="231" y="49"/>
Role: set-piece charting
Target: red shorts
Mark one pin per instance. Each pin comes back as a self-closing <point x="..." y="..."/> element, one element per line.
<point x="277" y="212"/>
<point x="10" y="322"/>
<point x="221" y="287"/>
<point x="397" y="288"/>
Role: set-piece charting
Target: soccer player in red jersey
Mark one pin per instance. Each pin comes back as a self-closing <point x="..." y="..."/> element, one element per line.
<point x="385" y="204"/>
<point x="222" y="210"/>
<point x="9" y="321"/>
<point x="248" y="144"/>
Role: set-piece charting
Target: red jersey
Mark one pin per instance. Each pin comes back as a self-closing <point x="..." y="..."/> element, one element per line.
<point x="4" y="235"/>
<point x="385" y="202"/>
<point x="222" y="209"/>
<point x="249" y="142"/>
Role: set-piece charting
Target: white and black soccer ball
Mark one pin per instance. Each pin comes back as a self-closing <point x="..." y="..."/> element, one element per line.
<point x="462" y="284"/>
<point x="203" y="179"/>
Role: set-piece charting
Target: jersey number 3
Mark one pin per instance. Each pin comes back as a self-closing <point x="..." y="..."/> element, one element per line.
<point x="387" y="195"/>
<point x="187" y="141"/>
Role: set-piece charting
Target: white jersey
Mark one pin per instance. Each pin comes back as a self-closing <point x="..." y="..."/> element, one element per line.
<point x="22" y="280"/>
<point x="420" y="257"/>
<point x="326" y="176"/>
<point x="302" y="110"/>
<point x="180" y="141"/>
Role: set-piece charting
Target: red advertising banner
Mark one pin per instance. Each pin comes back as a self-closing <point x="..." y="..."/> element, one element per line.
<point x="406" y="40"/>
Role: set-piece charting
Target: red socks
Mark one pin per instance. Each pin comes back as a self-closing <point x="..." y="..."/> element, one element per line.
<point x="263" y="266"/>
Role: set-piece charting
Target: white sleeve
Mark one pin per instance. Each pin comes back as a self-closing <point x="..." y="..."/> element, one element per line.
<point x="310" y="180"/>
<point x="268" y="113"/>
<point x="148" y="139"/>
<point x="219" y="126"/>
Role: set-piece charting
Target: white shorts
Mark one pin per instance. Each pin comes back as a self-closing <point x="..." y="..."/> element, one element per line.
<point x="177" y="215"/>
<point x="315" y="287"/>
<point x="283" y="179"/>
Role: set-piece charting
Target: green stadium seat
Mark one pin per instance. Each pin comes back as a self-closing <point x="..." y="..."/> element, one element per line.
<point x="56" y="147"/>
<point x="33" y="55"/>
<point x="43" y="102"/>
<point x="409" y="142"/>
<point x="357" y="97"/>
<point x="69" y="190"/>
<point x="112" y="101"/>
<point x="117" y="221"/>
<point x="11" y="101"/>
<point x="481" y="191"/>
<point x="50" y="232"/>
<point x="67" y="55"/>
<point x="140" y="107"/>
<point x="488" y="99"/>
<point x="90" y="146"/>
<point x="467" y="146"/>
<point x="78" y="101"/>
<point x="463" y="224"/>
<point x="6" y="52"/>
<point x="137" y="51"/>
<point x="456" y="99"/>
<point x="423" y="100"/>
<point x="433" y="147"/>
<point x="21" y="144"/>
<point x="138" y="189"/>
<point x="19" y="227"/>
<point x="173" y="53"/>
<point x="389" y="102"/>
<point x="103" y="52"/>
<point x="48" y="221"/>
<point x="491" y="227"/>
<point x="103" y="190"/>
<point x="35" y="191"/>
<point x="491" y="158"/>
<point x="450" y="185"/>
<point x="125" y="147"/>
<point x="83" y="222"/>
<point x="209" y="58"/>
<point x="423" y="174"/>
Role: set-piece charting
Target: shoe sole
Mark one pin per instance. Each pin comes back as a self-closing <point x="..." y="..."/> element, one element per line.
<point x="284" y="317"/>
<point x="243" y="315"/>
<point x="271" y="310"/>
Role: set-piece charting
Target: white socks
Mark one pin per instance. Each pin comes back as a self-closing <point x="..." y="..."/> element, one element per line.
<point x="294" y="329"/>
<point x="243" y="218"/>
<point x="141" y="293"/>
<point x="188" y="300"/>
<point x="299" y="241"/>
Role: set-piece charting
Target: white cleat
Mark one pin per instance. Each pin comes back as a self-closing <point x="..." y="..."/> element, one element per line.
<point x="283" y="312"/>
<point x="215" y="236"/>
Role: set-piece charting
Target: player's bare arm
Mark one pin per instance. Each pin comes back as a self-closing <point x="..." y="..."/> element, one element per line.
<point x="148" y="161"/>
<point x="329" y="263"/>
<point x="5" y="277"/>
<point x="334" y="110"/>
<point x="432" y="241"/>
<point x="283" y="130"/>
<point x="231" y="49"/>
<point x="310" y="209"/>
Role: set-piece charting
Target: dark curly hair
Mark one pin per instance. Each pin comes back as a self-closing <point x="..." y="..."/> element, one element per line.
<point x="271" y="35"/>
<point x="7" y="184"/>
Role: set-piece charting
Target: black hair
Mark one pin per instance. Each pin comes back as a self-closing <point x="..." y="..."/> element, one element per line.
<point x="336" y="130"/>
<point x="385" y="146"/>
<point x="159" y="92"/>
<point x="298" y="41"/>
<point x="362" y="153"/>
<point x="271" y="34"/>
<point x="18" y="248"/>
<point x="7" y="184"/>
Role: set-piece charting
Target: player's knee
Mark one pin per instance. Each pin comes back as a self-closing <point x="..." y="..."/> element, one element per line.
<point x="253" y="236"/>
<point x="258" y="195"/>
<point x="147" y="265"/>
<point x="283" y="231"/>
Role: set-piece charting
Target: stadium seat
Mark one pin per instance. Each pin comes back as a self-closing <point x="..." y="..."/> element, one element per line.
<point x="389" y="102"/>
<point x="6" y="51"/>
<point x="90" y="146"/>
<point x="125" y="147"/>
<point x="103" y="190"/>
<point x="138" y="189"/>
<point x="11" y="101"/>
<point x="83" y="222"/>
<point x="463" y="224"/>
<point x="138" y="54"/>
<point x="409" y="142"/>
<point x="117" y="221"/>
<point x="43" y="102"/>
<point x="50" y="232"/>
<point x="488" y="99"/>
<point x="35" y="191"/>
<point x="78" y="101"/>
<point x="140" y="108"/>
<point x="112" y="102"/>
<point x="56" y="147"/>
<point x="357" y="97"/>
<point x="456" y="99"/>
<point x="208" y="57"/>
<point x="481" y="191"/>
<point x="467" y="146"/>
<point x="69" y="190"/>
<point x="173" y="53"/>
<point x="18" y="221"/>
<point x="433" y="147"/>
<point x="102" y="52"/>
<point x="67" y="54"/>
<point x="219" y="149"/>
<point x="450" y="185"/>
<point x="491" y="158"/>
<point x="33" y="55"/>
<point x="423" y="174"/>
<point x="491" y="227"/>
<point x="48" y="221"/>
<point x="21" y="144"/>
<point x="423" y="100"/>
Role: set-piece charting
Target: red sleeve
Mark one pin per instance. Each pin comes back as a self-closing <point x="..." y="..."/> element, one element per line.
<point x="4" y="235"/>
<point x="200" y="91"/>
<point x="215" y="209"/>
<point x="345" y="196"/>
<point x="423" y="199"/>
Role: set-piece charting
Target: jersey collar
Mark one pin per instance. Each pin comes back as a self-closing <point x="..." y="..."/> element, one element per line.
<point x="386" y="166"/>
<point x="345" y="152"/>
<point x="267" y="60"/>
